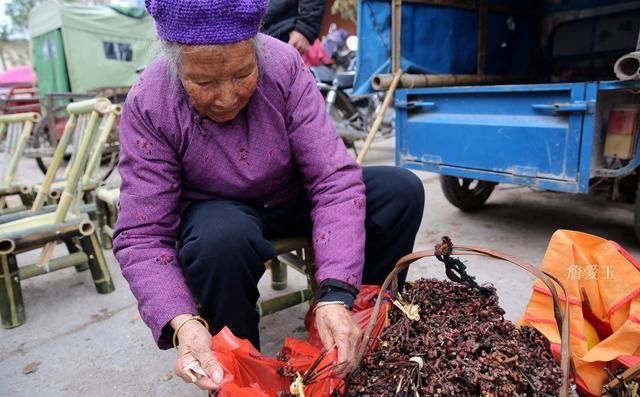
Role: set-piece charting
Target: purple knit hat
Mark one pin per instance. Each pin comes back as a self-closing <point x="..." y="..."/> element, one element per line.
<point x="196" y="22"/>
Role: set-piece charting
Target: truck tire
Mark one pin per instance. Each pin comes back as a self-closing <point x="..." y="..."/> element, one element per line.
<point x="467" y="194"/>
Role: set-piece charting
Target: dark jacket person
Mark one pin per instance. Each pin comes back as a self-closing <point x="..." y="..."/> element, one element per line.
<point x="296" y="22"/>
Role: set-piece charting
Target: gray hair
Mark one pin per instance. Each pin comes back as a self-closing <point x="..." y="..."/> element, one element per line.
<point x="172" y="53"/>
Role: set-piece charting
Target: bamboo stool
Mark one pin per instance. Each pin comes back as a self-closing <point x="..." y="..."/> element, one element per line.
<point x="88" y="184"/>
<point x="17" y="128"/>
<point x="45" y="230"/>
<point x="296" y="253"/>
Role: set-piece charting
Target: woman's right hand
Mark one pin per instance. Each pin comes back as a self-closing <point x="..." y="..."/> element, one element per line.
<point x="195" y="345"/>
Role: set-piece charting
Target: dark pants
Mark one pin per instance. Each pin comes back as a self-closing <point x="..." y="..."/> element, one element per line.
<point x="225" y="244"/>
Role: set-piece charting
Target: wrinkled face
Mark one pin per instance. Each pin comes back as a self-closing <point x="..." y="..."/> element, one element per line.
<point x="220" y="79"/>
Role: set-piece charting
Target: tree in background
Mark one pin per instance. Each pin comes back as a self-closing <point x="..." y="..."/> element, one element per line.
<point x="348" y="9"/>
<point x="18" y="13"/>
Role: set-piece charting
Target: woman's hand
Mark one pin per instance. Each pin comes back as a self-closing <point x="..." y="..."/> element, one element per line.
<point x="195" y="346"/>
<point x="297" y="40"/>
<point x="336" y="326"/>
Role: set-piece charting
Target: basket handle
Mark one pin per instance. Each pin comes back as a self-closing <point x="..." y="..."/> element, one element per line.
<point x="627" y="375"/>
<point x="562" y="319"/>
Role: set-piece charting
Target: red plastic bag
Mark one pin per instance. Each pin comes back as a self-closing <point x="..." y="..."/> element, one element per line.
<point x="247" y="372"/>
<point x="362" y="311"/>
<point x="301" y="356"/>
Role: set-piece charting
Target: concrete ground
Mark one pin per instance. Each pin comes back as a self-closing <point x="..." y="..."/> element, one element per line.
<point x="84" y="344"/>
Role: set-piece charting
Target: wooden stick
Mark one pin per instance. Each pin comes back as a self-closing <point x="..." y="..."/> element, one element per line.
<point x="396" y="29"/>
<point x="378" y="121"/>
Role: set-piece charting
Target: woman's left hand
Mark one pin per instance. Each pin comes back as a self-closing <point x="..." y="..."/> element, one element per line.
<point x="300" y="42"/>
<point x="336" y="326"/>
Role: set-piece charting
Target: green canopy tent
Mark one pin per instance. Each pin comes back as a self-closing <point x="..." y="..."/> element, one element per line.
<point x="77" y="48"/>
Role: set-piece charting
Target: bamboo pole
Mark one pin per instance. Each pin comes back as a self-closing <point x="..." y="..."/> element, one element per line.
<point x="102" y="210"/>
<point x="110" y="196"/>
<point x="378" y="121"/>
<point x="295" y="261"/>
<point x="282" y="302"/>
<point x="628" y="66"/>
<point x="100" y="105"/>
<point x="72" y="248"/>
<point x="97" y="264"/>
<point x="74" y="176"/>
<point x="12" y="210"/>
<point x="74" y="259"/>
<point x="396" y="29"/>
<point x="278" y="274"/>
<point x="103" y="136"/>
<point x="33" y="236"/>
<point x="58" y="156"/>
<point x="48" y="209"/>
<point x="19" y="117"/>
<point x="109" y="231"/>
<point x="283" y="245"/>
<point x="3" y="130"/>
<point x="10" y="173"/>
<point x="8" y="190"/>
<point x="7" y="246"/>
<point x="382" y="82"/>
<point x="11" y="302"/>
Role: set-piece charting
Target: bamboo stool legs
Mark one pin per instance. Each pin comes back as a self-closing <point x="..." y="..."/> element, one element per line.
<point x="97" y="263"/>
<point x="103" y="219"/>
<point x="87" y="255"/>
<point x="72" y="247"/>
<point x="11" y="303"/>
<point x="278" y="274"/>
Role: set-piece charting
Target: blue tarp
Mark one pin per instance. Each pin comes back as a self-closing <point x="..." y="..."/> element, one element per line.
<point x="439" y="40"/>
<point x="442" y="40"/>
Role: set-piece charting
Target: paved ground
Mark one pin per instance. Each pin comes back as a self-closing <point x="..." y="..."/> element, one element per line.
<point x="90" y="344"/>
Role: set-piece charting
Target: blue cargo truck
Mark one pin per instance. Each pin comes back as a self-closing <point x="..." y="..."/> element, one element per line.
<point x="558" y="120"/>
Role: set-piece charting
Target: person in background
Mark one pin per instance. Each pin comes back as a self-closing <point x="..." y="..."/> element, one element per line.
<point x="296" y="22"/>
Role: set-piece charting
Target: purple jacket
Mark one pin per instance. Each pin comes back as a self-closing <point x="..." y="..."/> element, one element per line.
<point x="171" y="155"/>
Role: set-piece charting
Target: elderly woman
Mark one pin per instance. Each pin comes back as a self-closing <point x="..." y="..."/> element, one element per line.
<point x="226" y="145"/>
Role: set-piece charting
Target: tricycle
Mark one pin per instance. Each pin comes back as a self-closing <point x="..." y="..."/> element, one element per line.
<point x="518" y="93"/>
